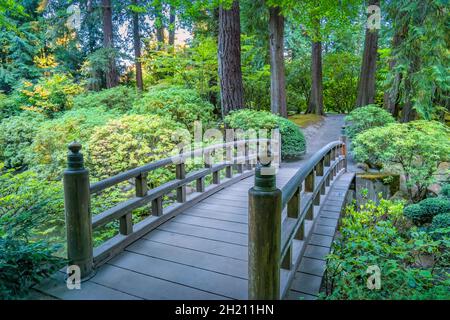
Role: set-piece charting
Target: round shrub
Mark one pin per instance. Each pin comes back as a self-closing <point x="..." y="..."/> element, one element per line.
<point x="445" y="191"/>
<point x="367" y="117"/>
<point x="293" y="143"/>
<point x="120" y="98"/>
<point x="181" y="104"/>
<point x="130" y="142"/>
<point x="424" y="211"/>
<point x="16" y="135"/>
<point x="441" y="221"/>
<point x="48" y="152"/>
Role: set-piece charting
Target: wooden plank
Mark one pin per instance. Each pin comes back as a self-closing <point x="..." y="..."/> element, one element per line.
<point x="221" y="225"/>
<point x="204" y="245"/>
<point x="211" y="282"/>
<point x="193" y="258"/>
<point x="143" y="285"/>
<point x="236" y="203"/>
<point x="204" y="232"/>
<point x="239" y="218"/>
<point x="55" y="286"/>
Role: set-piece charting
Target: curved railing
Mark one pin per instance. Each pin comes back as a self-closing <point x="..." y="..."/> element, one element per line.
<point x="240" y="158"/>
<point x="281" y="221"/>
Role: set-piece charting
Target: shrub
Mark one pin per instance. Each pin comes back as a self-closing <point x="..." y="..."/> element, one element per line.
<point x="48" y="151"/>
<point x="120" y="98"/>
<point x="293" y="142"/>
<point x="424" y="211"/>
<point x="367" y="117"/>
<point x="440" y="226"/>
<point x="8" y="105"/>
<point x="445" y="191"/>
<point x="181" y="104"/>
<point x="414" y="149"/>
<point x="373" y="236"/>
<point x="24" y="264"/>
<point x="16" y="135"/>
<point x="50" y="95"/>
<point x="129" y="142"/>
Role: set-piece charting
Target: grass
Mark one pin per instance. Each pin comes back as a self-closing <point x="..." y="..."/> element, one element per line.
<point x="305" y="120"/>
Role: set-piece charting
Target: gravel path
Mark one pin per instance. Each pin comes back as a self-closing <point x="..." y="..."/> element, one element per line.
<point x="319" y="135"/>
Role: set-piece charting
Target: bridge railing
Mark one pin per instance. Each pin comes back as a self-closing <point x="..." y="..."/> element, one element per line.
<point x="276" y="244"/>
<point x="239" y="159"/>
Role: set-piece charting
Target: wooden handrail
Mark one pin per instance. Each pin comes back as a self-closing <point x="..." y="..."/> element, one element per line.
<point x="80" y="223"/>
<point x="269" y="248"/>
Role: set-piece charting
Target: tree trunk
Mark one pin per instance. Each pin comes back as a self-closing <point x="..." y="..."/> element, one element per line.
<point x="391" y="103"/>
<point x="172" y="29"/>
<point x="159" y="24"/>
<point x="137" y="49"/>
<point x="229" y="54"/>
<point x="316" y="99"/>
<point x="366" y="87"/>
<point x="277" y="72"/>
<point x="112" y="79"/>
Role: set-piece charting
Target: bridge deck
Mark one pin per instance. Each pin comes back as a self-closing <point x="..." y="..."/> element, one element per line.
<point x="199" y="254"/>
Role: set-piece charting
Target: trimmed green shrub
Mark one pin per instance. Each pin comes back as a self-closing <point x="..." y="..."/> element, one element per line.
<point x="364" y="118"/>
<point x="441" y="221"/>
<point x="129" y="142"/>
<point x="445" y="191"/>
<point x="16" y="136"/>
<point x="181" y="104"/>
<point x="424" y="211"/>
<point x="293" y="143"/>
<point x="120" y="98"/>
<point x="414" y="149"/>
<point x="48" y="151"/>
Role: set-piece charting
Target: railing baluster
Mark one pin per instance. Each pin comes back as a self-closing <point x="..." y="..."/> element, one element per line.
<point x="200" y="184"/>
<point x="181" y="174"/>
<point x="310" y="212"/>
<point x="287" y="260"/>
<point x="310" y="182"/>
<point x="216" y="177"/>
<point x="141" y="185"/>
<point x="229" y="172"/>
<point x="293" y="209"/>
<point x="126" y="224"/>
<point x="300" y="235"/>
<point x="157" y="207"/>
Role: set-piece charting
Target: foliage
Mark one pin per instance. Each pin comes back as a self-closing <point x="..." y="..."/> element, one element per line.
<point x="440" y="226"/>
<point x="367" y="117"/>
<point x="182" y="105"/>
<point x="120" y="98"/>
<point x="424" y="211"/>
<point x="48" y="152"/>
<point x="414" y="149"/>
<point x="376" y="236"/>
<point x="16" y="135"/>
<point x="421" y="56"/>
<point x="445" y="191"/>
<point x="305" y="120"/>
<point x="50" y="95"/>
<point x="293" y="142"/>
<point x="24" y="264"/>
<point x="340" y="81"/>
<point x="129" y="142"/>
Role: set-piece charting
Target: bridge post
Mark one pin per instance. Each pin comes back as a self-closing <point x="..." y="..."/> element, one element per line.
<point x="78" y="213"/>
<point x="264" y="246"/>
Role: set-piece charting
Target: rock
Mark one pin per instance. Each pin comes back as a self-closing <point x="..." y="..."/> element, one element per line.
<point x="362" y="166"/>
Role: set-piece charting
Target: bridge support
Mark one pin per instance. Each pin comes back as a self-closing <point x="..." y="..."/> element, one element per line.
<point x="264" y="246"/>
<point x="78" y="214"/>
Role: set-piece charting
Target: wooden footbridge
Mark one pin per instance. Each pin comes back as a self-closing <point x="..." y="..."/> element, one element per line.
<point x="245" y="236"/>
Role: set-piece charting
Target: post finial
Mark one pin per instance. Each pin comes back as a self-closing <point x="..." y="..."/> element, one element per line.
<point x="75" y="157"/>
<point x="265" y="178"/>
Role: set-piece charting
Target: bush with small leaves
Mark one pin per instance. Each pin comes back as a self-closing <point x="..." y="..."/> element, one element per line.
<point x="120" y="98"/>
<point x="16" y="136"/>
<point x="424" y="211"/>
<point x="129" y="142"/>
<point x="293" y="143"/>
<point x="445" y="191"/>
<point x="183" y="105"/>
<point x="364" y="118"/>
<point x="440" y="226"/>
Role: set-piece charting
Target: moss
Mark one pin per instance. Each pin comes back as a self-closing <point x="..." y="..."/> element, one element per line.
<point x="306" y="120"/>
<point x="393" y="180"/>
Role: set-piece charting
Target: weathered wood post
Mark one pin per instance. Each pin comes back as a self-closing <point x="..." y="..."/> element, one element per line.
<point x="344" y="147"/>
<point x="264" y="226"/>
<point x="78" y="213"/>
